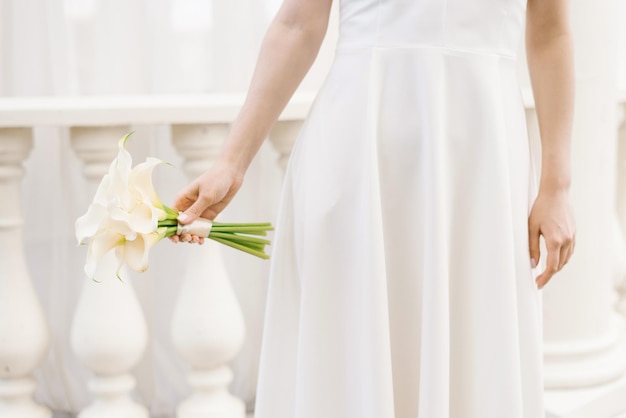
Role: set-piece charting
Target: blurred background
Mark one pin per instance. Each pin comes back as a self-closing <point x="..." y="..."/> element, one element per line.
<point x="74" y="74"/>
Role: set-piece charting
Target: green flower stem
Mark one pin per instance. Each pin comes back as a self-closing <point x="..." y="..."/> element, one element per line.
<point x="243" y="248"/>
<point x="264" y="224"/>
<point x="256" y="247"/>
<point x="249" y="230"/>
<point x="172" y="214"/>
<point x="168" y="223"/>
<point x="253" y="227"/>
<point x="170" y="231"/>
<point x="239" y="238"/>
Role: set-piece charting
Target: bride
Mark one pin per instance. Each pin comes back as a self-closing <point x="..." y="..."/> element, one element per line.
<point x="406" y="267"/>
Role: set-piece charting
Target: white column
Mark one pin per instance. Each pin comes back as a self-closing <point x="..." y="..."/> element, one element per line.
<point x="109" y="332"/>
<point x="283" y="136"/>
<point x="207" y="327"/>
<point x="584" y="356"/>
<point x="23" y="332"/>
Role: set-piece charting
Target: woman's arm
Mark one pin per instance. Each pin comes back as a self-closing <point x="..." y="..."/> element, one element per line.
<point x="287" y="53"/>
<point x="550" y="63"/>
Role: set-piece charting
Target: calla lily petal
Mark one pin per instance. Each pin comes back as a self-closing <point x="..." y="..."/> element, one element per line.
<point x="101" y="244"/>
<point x="136" y="252"/>
<point x="142" y="221"/>
<point x="87" y="225"/>
<point x="119" y="172"/>
<point x="124" y="159"/>
<point x="119" y="221"/>
<point x="140" y="181"/>
<point x="102" y="194"/>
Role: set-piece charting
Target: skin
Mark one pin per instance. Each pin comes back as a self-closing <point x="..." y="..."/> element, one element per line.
<point x="550" y="63"/>
<point x="290" y="48"/>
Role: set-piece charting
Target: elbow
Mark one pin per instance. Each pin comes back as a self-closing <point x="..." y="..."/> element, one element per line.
<point x="546" y="30"/>
<point x="309" y="28"/>
<point x="539" y="40"/>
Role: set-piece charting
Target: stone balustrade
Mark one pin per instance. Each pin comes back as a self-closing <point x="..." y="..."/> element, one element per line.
<point x="207" y="327"/>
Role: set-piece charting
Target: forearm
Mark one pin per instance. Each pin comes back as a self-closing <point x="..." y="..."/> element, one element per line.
<point x="286" y="55"/>
<point x="550" y="63"/>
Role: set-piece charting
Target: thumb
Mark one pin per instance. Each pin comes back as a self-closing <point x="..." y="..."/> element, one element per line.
<point x="193" y="212"/>
<point x="533" y="242"/>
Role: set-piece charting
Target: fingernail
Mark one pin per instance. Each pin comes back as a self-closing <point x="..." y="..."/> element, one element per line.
<point x="533" y="263"/>
<point x="182" y="217"/>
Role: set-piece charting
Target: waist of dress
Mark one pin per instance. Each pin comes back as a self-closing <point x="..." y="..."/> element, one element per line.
<point x="348" y="47"/>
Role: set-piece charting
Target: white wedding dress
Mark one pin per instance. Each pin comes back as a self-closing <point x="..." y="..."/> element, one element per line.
<point x="401" y="284"/>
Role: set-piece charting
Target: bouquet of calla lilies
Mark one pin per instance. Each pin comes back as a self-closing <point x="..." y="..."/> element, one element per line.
<point x="127" y="217"/>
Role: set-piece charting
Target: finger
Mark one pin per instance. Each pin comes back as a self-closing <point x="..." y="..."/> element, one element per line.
<point x="195" y="239"/>
<point x="185" y="237"/>
<point x="552" y="264"/>
<point x="194" y="211"/>
<point x="533" y="245"/>
<point x="175" y="239"/>
<point x="568" y="255"/>
<point x="563" y="254"/>
<point x="201" y="241"/>
<point x="212" y="211"/>
<point x="571" y="250"/>
<point x="186" y="198"/>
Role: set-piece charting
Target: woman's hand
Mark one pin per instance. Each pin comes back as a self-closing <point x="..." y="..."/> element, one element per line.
<point x="207" y="196"/>
<point x="552" y="217"/>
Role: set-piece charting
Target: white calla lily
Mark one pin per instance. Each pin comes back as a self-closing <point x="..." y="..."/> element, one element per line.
<point x="124" y="214"/>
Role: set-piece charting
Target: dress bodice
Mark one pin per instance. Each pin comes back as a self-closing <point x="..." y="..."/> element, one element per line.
<point x="482" y="26"/>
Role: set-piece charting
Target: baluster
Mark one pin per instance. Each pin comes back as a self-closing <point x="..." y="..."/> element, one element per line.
<point x="207" y="325"/>
<point x="109" y="332"/>
<point x="283" y="136"/>
<point x="24" y="335"/>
